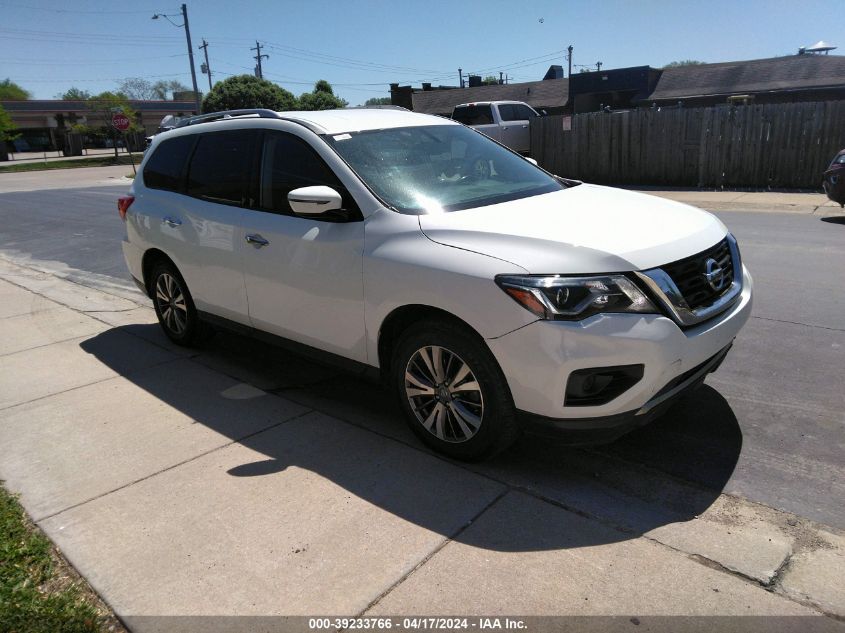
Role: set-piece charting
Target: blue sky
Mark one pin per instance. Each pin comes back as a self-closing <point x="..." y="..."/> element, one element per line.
<point x="48" y="46"/>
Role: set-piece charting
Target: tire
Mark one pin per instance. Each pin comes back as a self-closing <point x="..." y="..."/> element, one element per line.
<point x="472" y="423"/>
<point x="174" y="306"/>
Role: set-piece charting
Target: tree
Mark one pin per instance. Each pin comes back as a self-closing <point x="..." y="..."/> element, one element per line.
<point x="10" y="91"/>
<point x="137" y="88"/>
<point x="164" y="88"/>
<point x="8" y="132"/>
<point x="378" y="101"/>
<point x="490" y="80"/>
<point x="74" y="94"/>
<point x="102" y="107"/>
<point x="322" y="98"/>
<point x="684" y="62"/>
<point x="247" y="91"/>
<point x="323" y="86"/>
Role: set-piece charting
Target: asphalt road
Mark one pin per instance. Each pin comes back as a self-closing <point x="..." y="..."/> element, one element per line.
<point x="768" y="426"/>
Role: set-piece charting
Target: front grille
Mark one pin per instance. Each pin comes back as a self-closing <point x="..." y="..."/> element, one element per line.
<point x="689" y="275"/>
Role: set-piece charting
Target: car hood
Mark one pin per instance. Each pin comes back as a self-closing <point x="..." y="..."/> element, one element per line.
<point x="580" y="230"/>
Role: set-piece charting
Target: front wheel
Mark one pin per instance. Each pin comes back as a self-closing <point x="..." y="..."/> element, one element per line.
<point x="452" y="391"/>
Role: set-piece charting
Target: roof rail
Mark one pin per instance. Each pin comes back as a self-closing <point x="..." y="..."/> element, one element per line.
<point x="378" y="107"/>
<point x="262" y="113"/>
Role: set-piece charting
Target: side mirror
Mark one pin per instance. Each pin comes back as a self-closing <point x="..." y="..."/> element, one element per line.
<point x="532" y="161"/>
<point x="314" y="200"/>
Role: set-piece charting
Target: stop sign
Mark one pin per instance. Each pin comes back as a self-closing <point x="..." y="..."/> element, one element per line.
<point x="120" y="121"/>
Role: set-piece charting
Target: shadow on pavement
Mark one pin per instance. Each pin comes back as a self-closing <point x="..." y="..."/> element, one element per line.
<point x="834" y="219"/>
<point x="670" y="471"/>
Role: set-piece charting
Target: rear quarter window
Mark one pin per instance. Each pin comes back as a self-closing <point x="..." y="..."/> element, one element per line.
<point x="165" y="168"/>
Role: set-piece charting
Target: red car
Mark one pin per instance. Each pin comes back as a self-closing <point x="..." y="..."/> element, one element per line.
<point x="834" y="179"/>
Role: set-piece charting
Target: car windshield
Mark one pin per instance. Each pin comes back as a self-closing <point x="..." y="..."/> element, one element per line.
<point x="432" y="169"/>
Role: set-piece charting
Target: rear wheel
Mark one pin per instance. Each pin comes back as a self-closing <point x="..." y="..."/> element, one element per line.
<point x="174" y="306"/>
<point x="453" y="393"/>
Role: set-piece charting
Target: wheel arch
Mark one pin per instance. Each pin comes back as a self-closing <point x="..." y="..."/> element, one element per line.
<point x="403" y="317"/>
<point x="152" y="257"/>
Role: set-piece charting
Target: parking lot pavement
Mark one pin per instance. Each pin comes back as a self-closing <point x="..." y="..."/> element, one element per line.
<point x="178" y="483"/>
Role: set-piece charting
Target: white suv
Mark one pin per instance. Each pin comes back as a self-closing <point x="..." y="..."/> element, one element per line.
<point x="489" y="295"/>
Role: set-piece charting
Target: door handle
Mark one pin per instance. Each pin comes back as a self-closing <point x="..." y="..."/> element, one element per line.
<point x="169" y="221"/>
<point x="256" y="240"/>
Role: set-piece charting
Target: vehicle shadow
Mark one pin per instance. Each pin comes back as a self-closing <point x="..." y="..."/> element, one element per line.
<point x="670" y="471"/>
<point x="834" y="219"/>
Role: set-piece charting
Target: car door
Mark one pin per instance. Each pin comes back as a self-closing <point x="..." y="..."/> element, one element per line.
<point x="515" y="126"/>
<point x="199" y="221"/>
<point x="303" y="275"/>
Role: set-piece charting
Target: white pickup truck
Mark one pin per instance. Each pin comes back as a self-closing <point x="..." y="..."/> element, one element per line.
<point x="504" y="121"/>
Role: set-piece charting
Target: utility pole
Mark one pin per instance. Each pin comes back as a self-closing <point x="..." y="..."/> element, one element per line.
<point x="501" y="81"/>
<point x="598" y="67"/>
<point x="569" y="59"/>
<point x="206" y="68"/>
<point x="258" y="57"/>
<point x="156" y="16"/>
<point x="191" y="58"/>
<point x="460" y="77"/>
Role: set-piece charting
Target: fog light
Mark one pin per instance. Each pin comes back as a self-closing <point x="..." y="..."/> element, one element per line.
<point x="599" y="385"/>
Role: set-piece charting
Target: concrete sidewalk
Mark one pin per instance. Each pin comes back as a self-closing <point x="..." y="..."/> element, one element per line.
<point x="75" y="178"/>
<point x="236" y="480"/>
<point x="784" y="202"/>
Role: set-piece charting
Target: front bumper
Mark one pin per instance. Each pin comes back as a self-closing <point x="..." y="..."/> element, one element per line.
<point x="609" y="428"/>
<point x="537" y="360"/>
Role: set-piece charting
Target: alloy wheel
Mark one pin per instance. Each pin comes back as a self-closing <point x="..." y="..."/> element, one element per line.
<point x="444" y="394"/>
<point x="171" y="303"/>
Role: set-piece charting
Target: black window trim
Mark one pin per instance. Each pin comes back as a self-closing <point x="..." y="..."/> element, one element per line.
<point x="248" y="191"/>
<point x="352" y="215"/>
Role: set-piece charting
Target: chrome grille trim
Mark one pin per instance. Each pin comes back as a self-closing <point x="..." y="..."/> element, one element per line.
<point x="672" y="300"/>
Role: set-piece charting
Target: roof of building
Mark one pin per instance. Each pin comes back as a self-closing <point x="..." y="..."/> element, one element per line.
<point x="551" y="93"/>
<point x="62" y="105"/>
<point x="795" y="72"/>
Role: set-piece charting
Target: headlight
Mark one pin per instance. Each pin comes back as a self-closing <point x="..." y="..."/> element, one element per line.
<point x="575" y="298"/>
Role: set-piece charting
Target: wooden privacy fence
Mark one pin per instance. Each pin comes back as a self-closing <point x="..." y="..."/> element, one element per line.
<point x="774" y="145"/>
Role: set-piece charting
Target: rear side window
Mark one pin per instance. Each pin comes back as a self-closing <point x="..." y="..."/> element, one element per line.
<point x="221" y="166"/>
<point x="165" y="167"/>
<point x="473" y="114"/>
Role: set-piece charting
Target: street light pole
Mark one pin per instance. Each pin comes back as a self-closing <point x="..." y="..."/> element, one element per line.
<point x="191" y="58"/>
<point x="156" y="16"/>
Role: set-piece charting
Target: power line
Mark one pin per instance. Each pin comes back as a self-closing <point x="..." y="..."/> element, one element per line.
<point x="54" y="10"/>
<point x="85" y="61"/>
<point x="87" y="36"/>
<point x="65" y="79"/>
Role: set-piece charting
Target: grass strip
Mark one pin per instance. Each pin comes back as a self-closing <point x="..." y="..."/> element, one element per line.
<point x="39" y="591"/>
